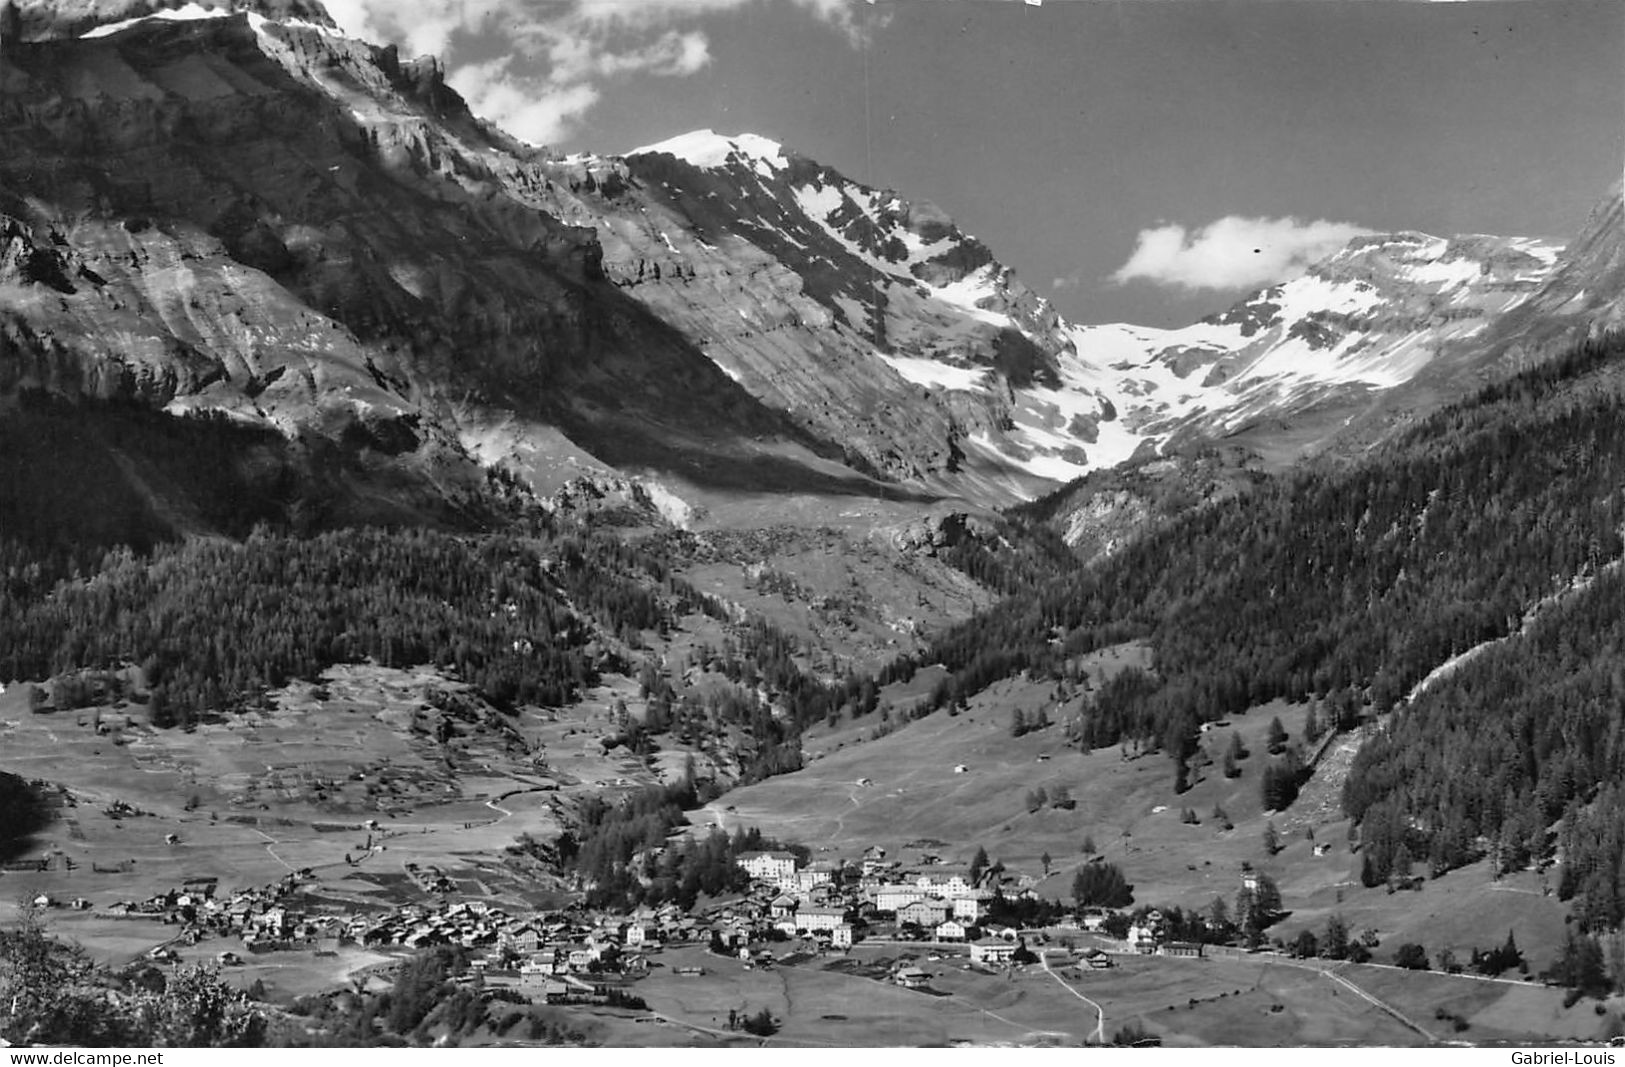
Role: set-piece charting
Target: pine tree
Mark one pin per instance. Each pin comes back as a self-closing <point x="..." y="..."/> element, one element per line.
<point x="1268" y="896"/>
<point x="1101" y="885"/>
<point x="978" y="864"/>
<point x="1276" y="737"/>
<point x="1218" y="914"/>
<point x="1335" y="941"/>
<point x="1402" y="863"/>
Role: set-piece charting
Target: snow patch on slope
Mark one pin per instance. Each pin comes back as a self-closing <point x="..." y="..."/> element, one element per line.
<point x="932" y="373"/>
<point x="259" y="22"/>
<point x="707" y="148"/>
<point x="1369" y="317"/>
<point x="818" y="202"/>
<point x="1445" y="273"/>
<point x="189" y="13"/>
<point x="967" y="293"/>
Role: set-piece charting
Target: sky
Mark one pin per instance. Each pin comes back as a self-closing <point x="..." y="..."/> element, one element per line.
<point x="1146" y="161"/>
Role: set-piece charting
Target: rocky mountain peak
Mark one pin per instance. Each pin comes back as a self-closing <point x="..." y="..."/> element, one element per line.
<point x="707" y="148"/>
<point x="1584" y="295"/>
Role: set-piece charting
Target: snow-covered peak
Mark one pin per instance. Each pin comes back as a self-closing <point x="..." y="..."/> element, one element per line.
<point x="62" y="20"/>
<point x="707" y="148"/>
<point x="189" y="13"/>
<point x="920" y="309"/>
<point x="89" y="19"/>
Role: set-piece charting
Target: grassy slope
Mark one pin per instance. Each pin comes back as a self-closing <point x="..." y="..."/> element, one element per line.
<point x="272" y="788"/>
<point x="916" y="796"/>
<point x="1186" y="1002"/>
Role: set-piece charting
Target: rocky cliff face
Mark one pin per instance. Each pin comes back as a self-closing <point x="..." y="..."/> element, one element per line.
<point x="1538" y="313"/>
<point x="1583" y="295"/>
<point x="844" y="306"/>
<point x="265" y="218"/>
<point x="850" y="309"/>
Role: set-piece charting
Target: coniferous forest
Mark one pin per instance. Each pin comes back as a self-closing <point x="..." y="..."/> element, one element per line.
<point x="214" y="625"/>
<point x="1350" y="584"/>
<point x="22" y="813"/>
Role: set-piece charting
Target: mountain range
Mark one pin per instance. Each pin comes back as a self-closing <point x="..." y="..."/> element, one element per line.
<point x="253" y="214"/>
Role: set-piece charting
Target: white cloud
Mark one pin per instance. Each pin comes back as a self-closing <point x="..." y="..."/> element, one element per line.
<point x="531" y="109"/>
<point x="561" y="52"/>
<point x="1233" y="252"/>
<point x="673" y="54"/>
<point x="421" y="27"/>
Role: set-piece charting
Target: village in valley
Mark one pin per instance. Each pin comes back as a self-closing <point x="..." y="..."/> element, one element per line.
<point x="911" y="923"/>
<point x="851" y="910"/>
<point x="580" y="954"/>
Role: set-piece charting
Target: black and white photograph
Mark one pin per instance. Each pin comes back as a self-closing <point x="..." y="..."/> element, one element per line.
<point x="812" y="524"/>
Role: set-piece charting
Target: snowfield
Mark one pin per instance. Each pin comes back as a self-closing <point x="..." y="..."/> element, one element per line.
<point x="707" y="148"/>
<point x="1369" y="317"/>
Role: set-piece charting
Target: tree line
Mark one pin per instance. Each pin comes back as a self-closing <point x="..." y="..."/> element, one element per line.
<point x="215" y="625"/>
<point x="23" y="813"/>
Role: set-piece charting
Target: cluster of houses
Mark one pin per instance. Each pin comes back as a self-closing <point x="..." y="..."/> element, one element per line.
<point x="835" y="903"/>
<point x="263" y="918"/>
<point x="580" y="953"/>
<point x="1146" y="936"/>
<point x="545" y="950"/>
<point x="830" y="904"/>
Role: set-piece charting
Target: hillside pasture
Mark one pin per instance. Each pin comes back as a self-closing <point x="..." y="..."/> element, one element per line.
<point x="1495" y="1010"/>
<point x="1126" y="806"/>
<point x="1123" y="801"/>
<point x="249" y="799"/>
<point x="850" y="1001"/>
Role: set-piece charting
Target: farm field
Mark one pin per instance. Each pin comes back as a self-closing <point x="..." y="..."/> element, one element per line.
<point x="1255" y="1001"/>
<point x="1504" y="1010"/>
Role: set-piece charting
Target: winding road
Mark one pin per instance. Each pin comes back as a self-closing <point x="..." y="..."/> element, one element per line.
<point x="269" y="847"/>
<point x="1100" y="1013"/>
<point x="840" y="820"/>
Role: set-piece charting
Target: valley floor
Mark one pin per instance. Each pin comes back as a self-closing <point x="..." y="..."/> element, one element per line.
<point x="341" y="805"/>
